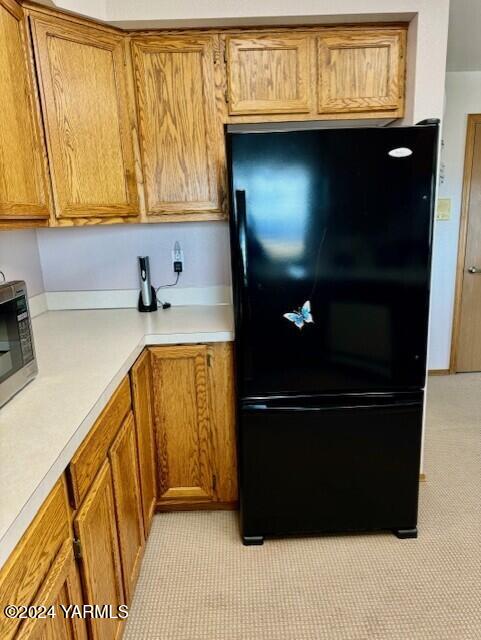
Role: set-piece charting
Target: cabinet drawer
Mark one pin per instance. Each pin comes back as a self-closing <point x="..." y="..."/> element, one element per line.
<point x="93" y="451"/>
<point x="31" y="560"/>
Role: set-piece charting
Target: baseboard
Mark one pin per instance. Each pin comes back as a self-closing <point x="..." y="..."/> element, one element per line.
<point x="162" y="507"/>
<point x="37" y="304"/>
<point x="439" y="372"/>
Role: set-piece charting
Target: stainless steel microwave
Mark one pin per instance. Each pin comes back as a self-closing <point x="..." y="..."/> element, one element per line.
<point x="18" y="364"/>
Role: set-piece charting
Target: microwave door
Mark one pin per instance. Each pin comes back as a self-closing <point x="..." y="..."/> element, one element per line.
<point x="11" y="357"/>
<point x="17" y="356"/>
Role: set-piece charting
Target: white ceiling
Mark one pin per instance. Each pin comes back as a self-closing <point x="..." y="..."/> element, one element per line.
<point x="464" y="40"/>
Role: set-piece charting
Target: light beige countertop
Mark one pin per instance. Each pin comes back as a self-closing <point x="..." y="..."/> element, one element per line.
<point x="82" y="357"/>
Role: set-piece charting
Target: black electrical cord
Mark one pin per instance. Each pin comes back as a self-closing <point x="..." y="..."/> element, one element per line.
<point x="166" y="305"/>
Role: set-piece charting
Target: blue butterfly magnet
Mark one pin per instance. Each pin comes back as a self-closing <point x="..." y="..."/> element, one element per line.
<point x="302" y="316"/>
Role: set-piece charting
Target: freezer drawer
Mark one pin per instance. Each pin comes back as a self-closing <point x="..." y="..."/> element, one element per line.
<point x="312" y="469"/>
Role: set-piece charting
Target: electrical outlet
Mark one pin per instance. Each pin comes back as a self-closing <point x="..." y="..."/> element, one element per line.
<point x="177" y="258"/>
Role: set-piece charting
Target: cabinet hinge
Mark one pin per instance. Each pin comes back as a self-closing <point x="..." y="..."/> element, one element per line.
<point x="226" y="95"/>
<point x="77" y="549"/>
<point x="209" y="359"/>
<point x="214" y="482"/>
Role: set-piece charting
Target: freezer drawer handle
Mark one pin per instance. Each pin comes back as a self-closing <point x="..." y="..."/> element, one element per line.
<point x="387" y="405"/>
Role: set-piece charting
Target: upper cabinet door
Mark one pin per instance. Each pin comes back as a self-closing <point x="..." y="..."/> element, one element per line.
<point x="361" y="71"/>
<point x="269" y="73"/>
<point x="181" y="133"/>
<point x="23" y="184"/>
<point x="81" y="73"/>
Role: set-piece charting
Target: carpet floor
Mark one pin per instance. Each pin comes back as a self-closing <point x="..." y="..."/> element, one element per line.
<point x="198" y="582"/>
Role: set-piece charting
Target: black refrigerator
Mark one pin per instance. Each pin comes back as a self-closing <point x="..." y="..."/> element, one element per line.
<point x="331" y="233"/>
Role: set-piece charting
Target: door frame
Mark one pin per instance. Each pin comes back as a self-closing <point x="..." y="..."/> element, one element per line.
<point x="472" y="120"/>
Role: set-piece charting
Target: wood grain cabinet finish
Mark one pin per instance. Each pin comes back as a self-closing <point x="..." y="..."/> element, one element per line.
<point x="96" y="528"/>
<point x="128" y="508"/>
<point x="183" y="425"/>
<point x="61" y="588"/>
<point x="93" y="451"/>
<point x="23" y="183"/>
<point x="82" y="79"/>
<point x="220" y="357"/>
<point x="194" y="420"/>
<point x="269" y="73"/>
<point x="141" y="382"/>
<point x="361" y="71"/>
<point x="29" y="565"/>
<point x="181" y="135"/>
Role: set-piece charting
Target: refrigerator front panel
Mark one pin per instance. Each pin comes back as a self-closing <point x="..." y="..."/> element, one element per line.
<point x="326" y="469"/>
<point x="332" y="227"/>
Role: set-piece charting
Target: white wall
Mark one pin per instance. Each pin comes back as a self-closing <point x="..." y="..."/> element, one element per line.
<point x="20" y="260"/>
<point x="463" y="96"/>
<point x="95" y="258"/>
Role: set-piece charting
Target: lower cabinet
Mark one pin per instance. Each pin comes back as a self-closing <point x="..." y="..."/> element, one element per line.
<point x="128" y="508"/>
<point x="171" y="445"/>
<point x="141" y="382"/>
<point x="60" y="590"/>
<point x="97" y="540"/>
<point x="40" y="565"/>
<point x="194" y="426"/>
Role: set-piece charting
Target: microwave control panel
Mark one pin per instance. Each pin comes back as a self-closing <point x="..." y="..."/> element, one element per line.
<point x="24" y="332"/>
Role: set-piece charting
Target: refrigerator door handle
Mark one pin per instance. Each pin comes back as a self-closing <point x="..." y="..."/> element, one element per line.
<point x="240" y="205"/>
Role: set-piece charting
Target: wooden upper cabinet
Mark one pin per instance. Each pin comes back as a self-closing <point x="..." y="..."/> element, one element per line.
<point x="361" y="71"/>
<point x="183" y="425"/>
<point x="180" y="129"/>
<point x="82" y="78"/>
<point x="269" y="73"/>
<point x="23" y="183"/>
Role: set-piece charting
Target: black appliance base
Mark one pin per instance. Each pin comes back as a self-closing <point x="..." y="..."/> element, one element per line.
<point x="350" y="466"/>
<point x="250" y="541"/>
<point x="405" y="534"/>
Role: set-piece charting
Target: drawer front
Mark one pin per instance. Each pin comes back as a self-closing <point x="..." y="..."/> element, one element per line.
<point x="31" y="560"/>
<point x="94" y="449"/>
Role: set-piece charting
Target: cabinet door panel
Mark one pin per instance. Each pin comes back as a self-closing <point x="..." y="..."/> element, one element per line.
<point x="180" y="129"/>
<point x="61" y="587"/>
<point x="182" y="422"/>
<point x="141" y="376"/>
<point x="125" y="475"/>
<point x="28" y="566"/>
<point x="96" y="528"/>
<point x="84" y="97"/>
<point x="23" y="185"/>
<point x="268" y="73"/>
<point x="361" y="71"/>
<point x="222" y="401"/>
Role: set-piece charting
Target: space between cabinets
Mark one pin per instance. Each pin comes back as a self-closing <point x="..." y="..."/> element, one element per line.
<point x="129" y="126"/>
